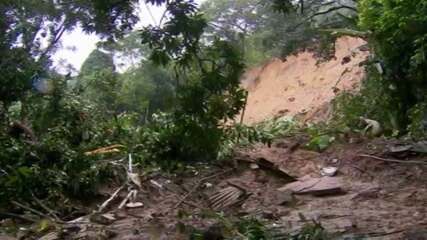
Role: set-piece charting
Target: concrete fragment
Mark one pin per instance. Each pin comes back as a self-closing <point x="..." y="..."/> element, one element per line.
<point x="316" y="186"/>
<point x="254" y="166"/>
<point x="329" y="171"/>
<point x="134" y="205"/>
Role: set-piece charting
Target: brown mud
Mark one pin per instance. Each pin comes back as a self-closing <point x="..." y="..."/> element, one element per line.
<point x="380" y="200"/>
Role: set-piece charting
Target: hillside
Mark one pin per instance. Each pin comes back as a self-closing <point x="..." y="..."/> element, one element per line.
<point x="302" y="85"/>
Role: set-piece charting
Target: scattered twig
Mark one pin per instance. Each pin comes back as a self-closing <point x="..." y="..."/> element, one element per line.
<point x="113" y="196"/>
<point x="391" y="160"/>
<point x="130" y="163"/>
<point x="50" y="211"/>
<point x="34" y="211"/>
<point x="13" y="215"/>
<point x="155" y="183"/>
<point x="130" y="195"/>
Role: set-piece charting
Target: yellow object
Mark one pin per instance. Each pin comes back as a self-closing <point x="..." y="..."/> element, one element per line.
<point x="104" y="150"/>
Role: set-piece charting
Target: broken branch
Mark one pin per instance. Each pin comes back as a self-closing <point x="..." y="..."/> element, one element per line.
<point x="51" y="212"/>
<point x="391" y="160"/>
<point x="113" y="196"/>
<point x="130" y="194"/>
<point x="34" y="211"/>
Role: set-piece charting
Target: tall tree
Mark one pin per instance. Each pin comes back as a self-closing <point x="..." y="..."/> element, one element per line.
<point x="30" y="31"/>
<point x="97" y="61"/>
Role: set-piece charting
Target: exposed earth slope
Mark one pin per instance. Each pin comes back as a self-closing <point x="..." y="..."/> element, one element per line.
<point x="301" y="84"/>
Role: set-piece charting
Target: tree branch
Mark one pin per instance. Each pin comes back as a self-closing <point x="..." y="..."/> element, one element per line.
<point x="332" y="9"/>
<point x="58" y="34"/>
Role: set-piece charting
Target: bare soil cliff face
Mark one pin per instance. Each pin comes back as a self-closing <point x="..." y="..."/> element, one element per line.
<point x="301" y="85"/>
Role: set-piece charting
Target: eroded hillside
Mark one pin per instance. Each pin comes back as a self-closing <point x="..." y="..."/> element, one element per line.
<point x="301" y="84"/>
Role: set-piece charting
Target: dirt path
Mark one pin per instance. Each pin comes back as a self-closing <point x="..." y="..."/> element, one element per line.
<point x="381" y="200"/>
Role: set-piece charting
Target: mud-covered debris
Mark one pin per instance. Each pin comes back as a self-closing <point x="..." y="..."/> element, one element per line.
<point x="226" y="197"/>
<point x="270" y="165"/>
<point x="96" y="234"/>
<point x="104" y="219"/>
<point x="316" y="186"/>
<point x="370" y="193"/>
<point x="329" y="171"/>
<point x="338" y="225"/>
<point x="285" y="197"/>
<point x="400" y="148"/>
<point x="416" y="234"/>
<point x="7" y="238"/>
<point x="417" y="147"/>
<point x="49" y="236"/>
<point x="135" y="179"/>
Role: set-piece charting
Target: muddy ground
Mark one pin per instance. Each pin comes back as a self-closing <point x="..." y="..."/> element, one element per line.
<point x="379" y="200"/>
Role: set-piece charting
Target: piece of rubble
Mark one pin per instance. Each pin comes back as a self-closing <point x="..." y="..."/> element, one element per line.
<point x="316" y="186"/>
<point x="134" y="205"/>
<point x="285" y="197"/>
<point x="329" y="171"/>
<point x="253" y="166"/>
<point x="335" y="160"/>
<point x="270" y="165"/>
<point x="400" y="148"/>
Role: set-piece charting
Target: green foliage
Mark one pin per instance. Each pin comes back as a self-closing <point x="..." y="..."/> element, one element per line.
<point x="321" y="136"/>
<point x="398" y="36"/>
<point x="193" y="131"/>
<point x="320" y="143"/>
<point x="253" y="229"/>
<point x="265" y="132"/>
<point x="417" y="117"/>
<point x="313" y="231"/>
<point x="30" y="31"/>
<point x="395" y="98"/>
<point x="250" y="228"/>
<point x="147" y="89"/>
<point x="97" y="61"/>
<point x="208" y="92"/>
<point x="263" y="32"/>
<point x="373" y="101"/>
<point x="53" y="165"/>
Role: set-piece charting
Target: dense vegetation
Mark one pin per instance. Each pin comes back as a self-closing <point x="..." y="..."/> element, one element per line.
<point x="175" y="104"/>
